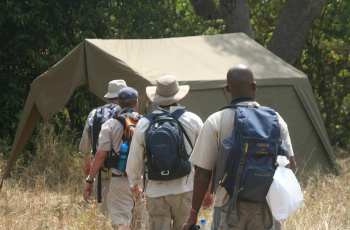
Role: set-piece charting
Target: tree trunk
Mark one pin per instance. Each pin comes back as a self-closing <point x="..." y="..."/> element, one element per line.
<point x="234" y="12"/>
<point x="207" y="9"/>
<point x="292" y="29"/>
<point x="236" y="15"/>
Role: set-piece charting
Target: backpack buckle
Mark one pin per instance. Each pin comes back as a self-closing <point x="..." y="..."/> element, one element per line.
<point x="165" y="173"/>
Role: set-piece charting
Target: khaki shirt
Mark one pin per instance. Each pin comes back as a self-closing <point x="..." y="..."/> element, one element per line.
<point x="135" y="167"/>
<point x="218" y="127"/>
<point x="85" y="146"/>
<point x="111" y="137"/>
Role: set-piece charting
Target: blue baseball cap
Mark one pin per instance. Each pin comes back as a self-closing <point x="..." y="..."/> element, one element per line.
<point x="127" y="93"/>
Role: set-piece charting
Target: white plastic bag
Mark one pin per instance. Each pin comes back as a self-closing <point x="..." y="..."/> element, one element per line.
<point x="284" y="196"/>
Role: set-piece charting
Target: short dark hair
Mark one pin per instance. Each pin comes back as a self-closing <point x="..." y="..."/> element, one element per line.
<point x="127" y="103"/>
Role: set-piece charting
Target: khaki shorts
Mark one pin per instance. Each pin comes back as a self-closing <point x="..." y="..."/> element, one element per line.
<point x="253" y="216"/>
<point x="168" y="212"/>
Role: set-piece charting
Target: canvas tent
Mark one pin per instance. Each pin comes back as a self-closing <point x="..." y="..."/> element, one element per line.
<point x="201" y="62"/>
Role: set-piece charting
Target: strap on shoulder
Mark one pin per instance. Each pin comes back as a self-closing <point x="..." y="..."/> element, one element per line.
<point x="236" y="106"/>
<point x="178" y="113"/>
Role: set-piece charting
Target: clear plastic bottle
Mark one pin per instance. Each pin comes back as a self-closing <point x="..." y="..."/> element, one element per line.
<point x="204" y="225"/>
<point x="123" y="156"/>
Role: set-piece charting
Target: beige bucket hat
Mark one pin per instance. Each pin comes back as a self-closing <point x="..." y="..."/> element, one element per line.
<point x="167" y="91"/>
<point x="114" y="87"/>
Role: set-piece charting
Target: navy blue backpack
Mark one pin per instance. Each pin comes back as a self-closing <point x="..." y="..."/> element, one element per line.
<point x="166" y="154"/>
<point x="247" y="160"/>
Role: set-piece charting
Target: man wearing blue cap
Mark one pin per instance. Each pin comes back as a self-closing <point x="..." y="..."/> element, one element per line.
<point x="120" y="202"/>
<point x="88" y="143"/>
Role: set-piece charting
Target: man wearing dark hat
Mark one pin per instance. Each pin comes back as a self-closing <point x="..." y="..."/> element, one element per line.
<point x="86" y="147"/>
<point x="119" y="200"/>
<point x="168" y="202"/>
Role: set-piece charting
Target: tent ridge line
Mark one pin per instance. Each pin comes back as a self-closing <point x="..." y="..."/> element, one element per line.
<point x="197" y="89"/>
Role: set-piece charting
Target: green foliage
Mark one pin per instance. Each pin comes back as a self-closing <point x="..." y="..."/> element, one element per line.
<point x="35" y="35"/>
<point x="326" y="62"/>
<point x="263" y="17"/>
<point x="157" y="19"/>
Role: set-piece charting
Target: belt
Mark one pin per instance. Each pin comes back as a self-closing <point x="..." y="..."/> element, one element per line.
<point x="121" y="175"/>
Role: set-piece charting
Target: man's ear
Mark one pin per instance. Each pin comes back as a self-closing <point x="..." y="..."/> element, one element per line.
<point x="136" y="105"/>
<point x="226" y="88"/>
<point x="254" y="86"/>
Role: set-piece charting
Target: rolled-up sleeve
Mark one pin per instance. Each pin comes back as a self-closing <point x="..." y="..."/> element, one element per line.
<point x="285" y="135"/>
<point x="85" y="146"/>
<point x="205" y="151"/>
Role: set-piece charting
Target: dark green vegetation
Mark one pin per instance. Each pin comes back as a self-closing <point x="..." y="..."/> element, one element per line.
<point x="36" y="34"/>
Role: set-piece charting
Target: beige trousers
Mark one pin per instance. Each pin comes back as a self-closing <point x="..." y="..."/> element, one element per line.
<point x="168" y="212"/>
<point x="119" y="201"/>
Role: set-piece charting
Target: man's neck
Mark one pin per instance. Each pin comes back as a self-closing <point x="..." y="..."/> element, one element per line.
<point x="113" y="100"/>
<point x="241" y="99"/>
<point x="168" y="107"/>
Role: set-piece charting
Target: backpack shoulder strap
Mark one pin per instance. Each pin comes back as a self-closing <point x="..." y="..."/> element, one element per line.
<point x="235" y="106"/>
<point x="153" y="116"/>
<point x="176" y="115"/>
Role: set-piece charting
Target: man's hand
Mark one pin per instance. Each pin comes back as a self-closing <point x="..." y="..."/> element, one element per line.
<point x="136" y="191"/>
<point x="208" y="201"/>
<point x="88" y="191"/>
<point x="192" y="219"/>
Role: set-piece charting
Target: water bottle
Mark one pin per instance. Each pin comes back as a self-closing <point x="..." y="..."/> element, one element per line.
<point x="204" y="225"/>
<point x="123" y="156"/>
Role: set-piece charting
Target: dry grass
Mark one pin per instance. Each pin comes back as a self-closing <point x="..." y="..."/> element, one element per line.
<point x="38" y="196"/>
<point x="326" y="201"/>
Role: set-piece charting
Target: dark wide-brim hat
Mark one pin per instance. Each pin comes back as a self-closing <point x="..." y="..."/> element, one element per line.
<point x="167" y="91"/>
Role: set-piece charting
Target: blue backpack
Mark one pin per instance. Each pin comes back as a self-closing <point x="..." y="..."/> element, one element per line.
<point x="247" y="160"/>
<point x="166" y="154"/>
<point x="103" y="114"/>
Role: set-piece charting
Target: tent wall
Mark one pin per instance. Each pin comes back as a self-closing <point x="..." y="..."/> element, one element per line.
<point x="205" y="102"/>
<point x="308" y="147"/>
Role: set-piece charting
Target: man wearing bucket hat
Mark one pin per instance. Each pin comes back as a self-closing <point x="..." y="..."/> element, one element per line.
<point x="87" y="147"/>
<point x="168" y="201"/>
<point x="111" y="139"/>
